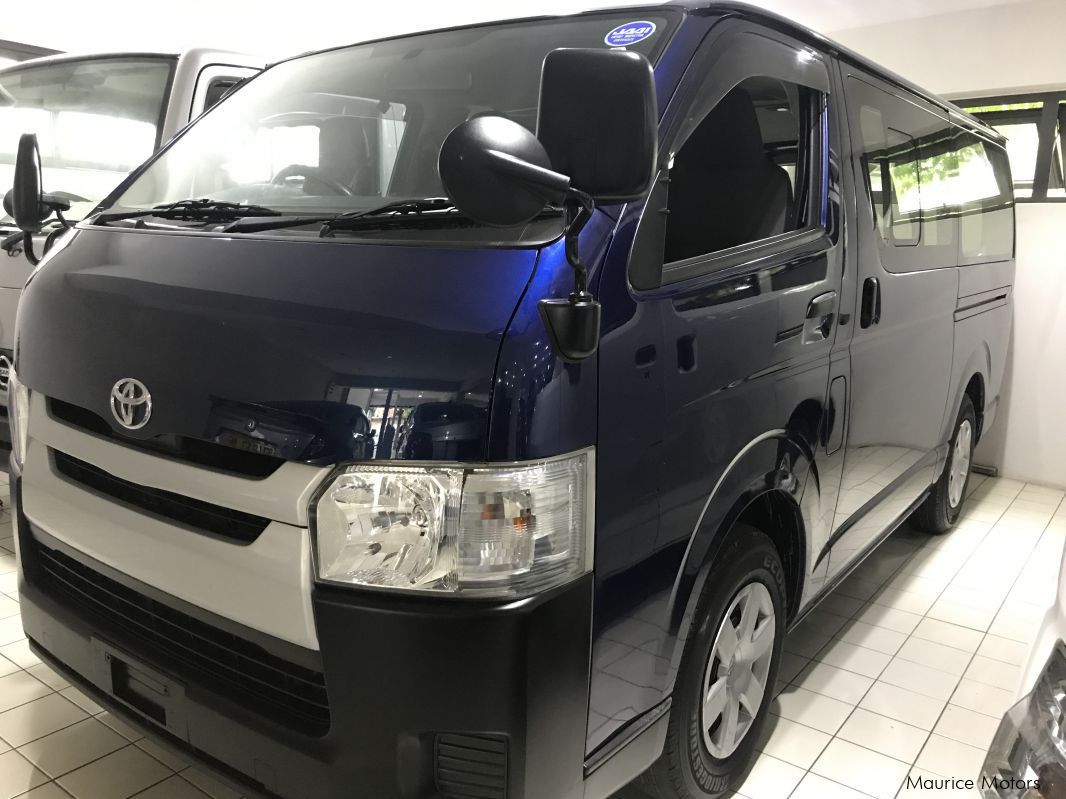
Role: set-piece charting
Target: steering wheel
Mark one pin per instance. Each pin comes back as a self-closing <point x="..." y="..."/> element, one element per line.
<point x="304" y="171"/>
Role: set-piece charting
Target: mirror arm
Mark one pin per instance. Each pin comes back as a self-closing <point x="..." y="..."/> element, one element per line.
<point x="577" y="208"/>
<point x="11" y="244"/>
<point x="573" y="324"/>
<point x="27" y="249"/>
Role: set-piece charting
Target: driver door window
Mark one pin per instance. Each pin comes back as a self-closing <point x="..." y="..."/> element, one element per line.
<point x="745" y="174"/>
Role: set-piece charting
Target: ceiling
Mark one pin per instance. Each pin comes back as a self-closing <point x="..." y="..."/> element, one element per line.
<point x="278" y="27"/>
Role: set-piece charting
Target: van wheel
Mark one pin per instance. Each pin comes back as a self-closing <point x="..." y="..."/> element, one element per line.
<point x="727" y="675"/>
<point x="942" y="507"/>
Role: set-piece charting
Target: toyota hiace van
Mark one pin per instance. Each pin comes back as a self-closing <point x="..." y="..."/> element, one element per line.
<point x="472" y="413"/>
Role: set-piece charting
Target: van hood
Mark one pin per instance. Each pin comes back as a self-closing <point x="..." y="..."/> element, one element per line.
<point x="272" y="347"/>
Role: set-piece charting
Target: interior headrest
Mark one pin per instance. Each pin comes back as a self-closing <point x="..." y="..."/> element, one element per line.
<point x="729" y="136"/>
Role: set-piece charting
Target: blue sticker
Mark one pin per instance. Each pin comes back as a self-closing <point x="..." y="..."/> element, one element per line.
<point x="630" y="33"/>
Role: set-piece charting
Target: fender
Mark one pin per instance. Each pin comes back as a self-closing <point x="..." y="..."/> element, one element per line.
<point x="779" y="461"/>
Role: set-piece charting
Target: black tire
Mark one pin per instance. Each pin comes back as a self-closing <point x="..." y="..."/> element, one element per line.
<point x="686" y="769"/>
<point x="938" y="514"/>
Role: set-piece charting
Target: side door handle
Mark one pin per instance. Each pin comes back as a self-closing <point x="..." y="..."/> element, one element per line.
<point x="870" y="313"/>
<point x="820" y="316"/>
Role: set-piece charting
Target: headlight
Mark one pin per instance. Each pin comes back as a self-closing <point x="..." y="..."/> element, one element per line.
<point x="1027" y="759"/>
<point x="486" y="531"/>
<point x="18" y="408"/>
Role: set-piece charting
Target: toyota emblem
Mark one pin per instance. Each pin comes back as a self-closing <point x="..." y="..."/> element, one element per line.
<point x="131" y="404"/>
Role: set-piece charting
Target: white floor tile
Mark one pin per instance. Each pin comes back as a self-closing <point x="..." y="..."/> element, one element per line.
<point x="859" y="659"/>
<point x="793" y="742"/>
<point x="878" y="638"/>
<point x="950" y="758"/>
<point x="994" y="672"/>
<point x="20" y="687"/>
<point x="811" y="709"/>
<point x="967" y="726"/>
<point x="909" y="601"/>
<point x="1003" y="649"/>
<point x="172" y="788"/>
<point x="903" y="705"/>
<point x="813" y="786"/>
<point x="38" y="718"/>
<point x="953" y="635"/>
<point x="116" y="776"/>
<point x="19" y="653"/>
<point x="768" y="778"/>
<point x="847" y="686"/>
<point x="882" y="734"/>
<point x="164" y="756"/>
<point x="890" y="618"/>
<point x="982" y="698"/>
<point x="81" y="700"/>
<point x="920" y="679"/>
<point x="44" y="673"/>
<point x="861" y="769"/>
<point x="935" y="656"/>
<point x="72" y="747"/>
<point x="47" y="791"/>
<point x="18" y="775"/>
<point x="119" y="726"/>
<point x="217" y="790"/>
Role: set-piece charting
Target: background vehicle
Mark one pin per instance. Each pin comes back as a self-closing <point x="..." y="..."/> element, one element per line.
<point x="1028" y="755"/>
<point x="693" y="424"/>
<point x="96" y="118"/>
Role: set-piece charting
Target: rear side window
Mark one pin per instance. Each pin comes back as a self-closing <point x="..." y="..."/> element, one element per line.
<point x="940" y="194"/>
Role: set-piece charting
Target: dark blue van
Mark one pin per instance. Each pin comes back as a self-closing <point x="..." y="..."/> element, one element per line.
<point x="470" y="414"/>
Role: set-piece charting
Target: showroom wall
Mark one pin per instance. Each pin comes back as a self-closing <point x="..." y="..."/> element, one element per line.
<point x="1000" y="49"/>
<point x="1005" y="49"/>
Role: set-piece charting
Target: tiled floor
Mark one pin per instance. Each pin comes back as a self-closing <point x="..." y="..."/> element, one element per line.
<point x="907" y="667"/>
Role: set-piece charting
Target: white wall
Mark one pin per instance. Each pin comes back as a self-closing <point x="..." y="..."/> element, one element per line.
<point x="1028" y="441"/>
<point x="968" y="53"/>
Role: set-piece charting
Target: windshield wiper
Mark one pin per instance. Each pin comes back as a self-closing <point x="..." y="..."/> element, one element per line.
<point x="193" y="210"/>
<point x="331" y="222"/>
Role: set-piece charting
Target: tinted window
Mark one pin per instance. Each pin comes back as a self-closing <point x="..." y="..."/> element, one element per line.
<point x="940" y="194"/>
<point x="373" y="115"/>
<point x="218" y="89"/>
<point x="745" y="173"/>
<point x="95" y="120"/>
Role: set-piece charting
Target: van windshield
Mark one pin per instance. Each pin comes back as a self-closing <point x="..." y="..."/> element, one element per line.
<point x="350" y="129"/>
<point x="95" y="119"/>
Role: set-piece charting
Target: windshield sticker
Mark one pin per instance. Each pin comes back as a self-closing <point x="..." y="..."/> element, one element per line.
<point x="630" y="33"/>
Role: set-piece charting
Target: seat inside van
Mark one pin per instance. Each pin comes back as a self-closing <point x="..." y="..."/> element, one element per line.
<point x="724" y="188"/>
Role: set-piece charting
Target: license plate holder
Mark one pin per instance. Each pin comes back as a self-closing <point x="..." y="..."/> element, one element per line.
<point x="150" y="694"/>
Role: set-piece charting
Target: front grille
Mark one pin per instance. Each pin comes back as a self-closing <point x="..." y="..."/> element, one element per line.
<point x="190" y="450"/>
<point x="471" y="766"/>
<point x="202" y="516"/>
<point x="188" y="648"/>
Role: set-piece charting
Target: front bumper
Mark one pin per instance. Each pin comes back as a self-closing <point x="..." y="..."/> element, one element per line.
<point x="426" y="698"/>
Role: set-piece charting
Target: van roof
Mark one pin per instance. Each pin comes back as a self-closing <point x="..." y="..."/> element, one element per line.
<point x="724" y="7"/>
<point x="200" y="53"/>
<point x="837" y="49"/>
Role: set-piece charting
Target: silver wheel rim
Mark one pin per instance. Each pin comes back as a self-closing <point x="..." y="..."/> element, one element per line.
<point x="738" y="668"/>
<point x="960" y="463"/>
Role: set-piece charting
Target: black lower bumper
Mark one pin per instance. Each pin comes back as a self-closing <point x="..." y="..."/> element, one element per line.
<point x="427" y="698"/>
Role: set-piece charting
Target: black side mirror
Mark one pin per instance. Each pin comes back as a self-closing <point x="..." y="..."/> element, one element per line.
<point x="25" y="203"/>
<point x="497" y="172"/>
<point x="596" y="141"/>
<point x="597" y="121"/>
